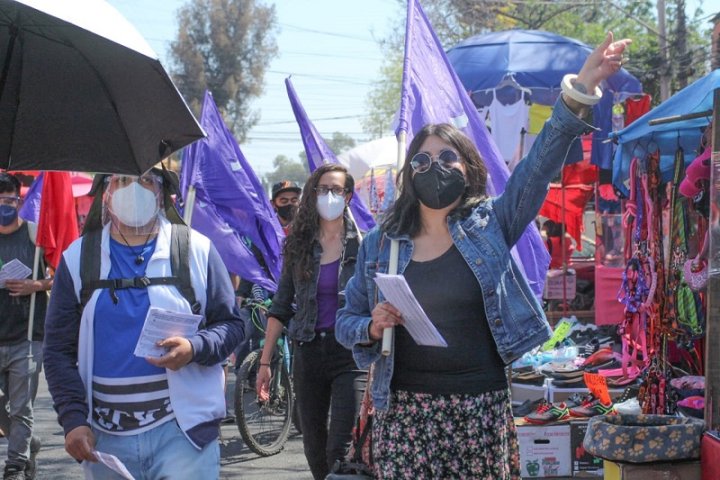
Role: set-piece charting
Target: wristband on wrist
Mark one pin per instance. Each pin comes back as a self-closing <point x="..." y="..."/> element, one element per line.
<point x="580" y="97"/>
<point x="264" y="364"/>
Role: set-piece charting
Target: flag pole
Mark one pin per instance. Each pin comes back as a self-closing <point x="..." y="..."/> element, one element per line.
<point x="189" y="205"/>
<point x="31" y="316"/>
<point x="387" y="340"/>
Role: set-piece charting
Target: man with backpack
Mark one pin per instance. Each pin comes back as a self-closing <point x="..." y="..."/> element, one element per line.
<point x="159" y="415"/>
<point x="20" y="352"/>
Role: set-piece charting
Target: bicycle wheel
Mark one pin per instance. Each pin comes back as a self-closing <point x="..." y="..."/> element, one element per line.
<point x="264" y="426"/>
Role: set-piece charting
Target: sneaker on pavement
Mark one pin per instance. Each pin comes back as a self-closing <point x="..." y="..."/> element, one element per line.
<point x="547" y="413"/>
<point x="31" y="467"/>
<point x="14" y="472"/>
<point x="591" y="408"/>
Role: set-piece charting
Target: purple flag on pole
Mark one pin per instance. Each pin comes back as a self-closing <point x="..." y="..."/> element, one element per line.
<point x="30" y="210"/>
<point x="318" y="152"/>
<point x="231" y="206"/>
<point x="433" y="93"/>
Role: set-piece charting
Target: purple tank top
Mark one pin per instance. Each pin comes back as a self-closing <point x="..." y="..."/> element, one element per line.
<point x="327" y="296"/>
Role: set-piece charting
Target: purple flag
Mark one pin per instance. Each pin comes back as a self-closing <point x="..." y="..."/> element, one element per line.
<point x="433" y="93"/>
<point x="318" y="152"/>
<point x="30" y="210"/>
<point x="231" y="207"/>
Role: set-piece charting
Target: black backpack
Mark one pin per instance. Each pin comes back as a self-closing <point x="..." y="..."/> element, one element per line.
<point x="179" y="256"/>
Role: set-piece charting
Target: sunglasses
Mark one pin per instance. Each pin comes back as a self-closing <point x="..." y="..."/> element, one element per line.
<point x="422" y="161"/>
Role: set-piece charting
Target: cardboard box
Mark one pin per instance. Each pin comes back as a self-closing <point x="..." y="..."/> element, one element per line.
<point x="583" y="464"/>
<point x="544" y="451"/>
<point x="652" y="471"/>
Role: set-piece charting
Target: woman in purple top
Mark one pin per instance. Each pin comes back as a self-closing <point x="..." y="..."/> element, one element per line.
<point x="319" y="258"/>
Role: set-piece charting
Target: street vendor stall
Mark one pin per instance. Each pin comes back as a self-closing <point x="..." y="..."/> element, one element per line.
<point x="674" y="136"/>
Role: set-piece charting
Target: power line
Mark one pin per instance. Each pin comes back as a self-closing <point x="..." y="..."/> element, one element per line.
<point x="330" y="34"/>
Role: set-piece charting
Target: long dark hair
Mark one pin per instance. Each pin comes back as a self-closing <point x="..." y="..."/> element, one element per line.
<point x="404" y="216"/>
<point x="300" y="242"/>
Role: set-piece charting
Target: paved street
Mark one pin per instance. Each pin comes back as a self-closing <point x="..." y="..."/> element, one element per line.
<point x="237" y="460"/>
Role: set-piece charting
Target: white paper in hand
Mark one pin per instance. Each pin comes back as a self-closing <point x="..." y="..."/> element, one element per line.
<point x="13" y="270"/>
<point x="114" y="464"/>
<point x="396" y="290"/>
<point x="161" y="324"/>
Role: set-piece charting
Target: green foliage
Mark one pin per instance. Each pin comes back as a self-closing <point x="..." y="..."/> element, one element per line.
<point x="297" y="171"/>
<point x="286" y="169"/>
<point x="224" y="46"/>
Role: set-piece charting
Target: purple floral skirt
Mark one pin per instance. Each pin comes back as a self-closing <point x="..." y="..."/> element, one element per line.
<point x="424" y="436"/>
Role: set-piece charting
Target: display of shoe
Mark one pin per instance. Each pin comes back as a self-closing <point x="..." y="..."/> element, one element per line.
<point x="592" y="408"/>
<point x="629" y="407"/>
<point x="531" y="378"/>
<point x="14" y="472"/>
<point x="526" y="407"/>
<point x="547" y="413"/>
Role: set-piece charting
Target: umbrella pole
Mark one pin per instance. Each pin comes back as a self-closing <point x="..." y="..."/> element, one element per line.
<point x="562" y="246"/>
<point x="394" y="244"/>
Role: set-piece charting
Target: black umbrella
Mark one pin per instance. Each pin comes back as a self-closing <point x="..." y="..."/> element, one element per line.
<point x="81" y="90"/>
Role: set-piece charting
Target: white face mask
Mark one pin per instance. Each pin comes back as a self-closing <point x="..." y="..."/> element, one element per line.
<point x="330" y="206"/>
<point x="134" y="206"/>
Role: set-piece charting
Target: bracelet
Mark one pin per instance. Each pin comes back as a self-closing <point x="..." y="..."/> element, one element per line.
<point x="580" y="97"/>
<point x="264" y="364"/>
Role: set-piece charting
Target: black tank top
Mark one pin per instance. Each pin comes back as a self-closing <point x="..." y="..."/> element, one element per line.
<point x="451" y="296"/>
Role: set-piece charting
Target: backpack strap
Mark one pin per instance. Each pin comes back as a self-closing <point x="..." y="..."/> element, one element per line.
<point x="180" y="263"/>
<point x="89" y="265"/>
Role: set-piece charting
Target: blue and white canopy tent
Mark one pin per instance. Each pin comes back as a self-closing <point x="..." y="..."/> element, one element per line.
<point x="691" y="107"/>
<point x="502" y="64"/>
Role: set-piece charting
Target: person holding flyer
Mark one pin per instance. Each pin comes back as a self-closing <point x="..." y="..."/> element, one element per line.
<point x="159" y="415"/>
<point x="445" y="412"/>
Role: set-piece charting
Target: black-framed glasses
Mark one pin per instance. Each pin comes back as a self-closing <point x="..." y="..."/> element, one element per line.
<point x="422" y="161"/>
<point x="10" y="200"/>
<point x="324" y="189"/>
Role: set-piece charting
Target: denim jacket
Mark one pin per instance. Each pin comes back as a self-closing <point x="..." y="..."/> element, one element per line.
<point x="484" y="238"/>
<point x="295" y="302"/>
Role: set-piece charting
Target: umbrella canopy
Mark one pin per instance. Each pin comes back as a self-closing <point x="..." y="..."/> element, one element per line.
<point x="81" y="90"/>
<point x="534" y="59"/>
<point x="640" y="138"/>
<point x="376" y="153"/>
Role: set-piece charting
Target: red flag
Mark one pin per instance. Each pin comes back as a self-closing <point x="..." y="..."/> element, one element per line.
<point x="57" y="227"/>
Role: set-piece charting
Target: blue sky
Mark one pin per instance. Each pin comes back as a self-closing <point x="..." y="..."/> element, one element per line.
<point x="330" y="48"/>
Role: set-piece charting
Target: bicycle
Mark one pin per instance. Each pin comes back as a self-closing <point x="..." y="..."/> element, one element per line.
<point x="265" y="425"/>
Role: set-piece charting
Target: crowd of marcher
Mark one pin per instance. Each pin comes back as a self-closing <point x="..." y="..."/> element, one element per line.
<point x="440" y="412"/>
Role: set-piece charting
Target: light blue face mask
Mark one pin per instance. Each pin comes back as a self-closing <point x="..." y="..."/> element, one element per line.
<point x="330" y="206"/>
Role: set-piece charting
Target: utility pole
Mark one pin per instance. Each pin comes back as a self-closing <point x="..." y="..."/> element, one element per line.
<point x="665" y="67"/>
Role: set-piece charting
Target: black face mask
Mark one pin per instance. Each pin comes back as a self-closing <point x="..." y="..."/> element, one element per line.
<point x="287" y="212"/>
<point x="438" y="187"/>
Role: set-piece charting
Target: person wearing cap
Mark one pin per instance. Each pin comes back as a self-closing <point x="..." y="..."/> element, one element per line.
<point x="21" y="359"/>
<point x="285" y="201"/>
<point x="159" y="415"/>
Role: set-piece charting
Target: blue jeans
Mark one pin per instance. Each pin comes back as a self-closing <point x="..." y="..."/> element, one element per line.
<point x="19" y="367"/>
<point x="160" y="453"/>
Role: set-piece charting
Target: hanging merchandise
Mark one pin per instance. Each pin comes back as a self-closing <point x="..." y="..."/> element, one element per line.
<point x="508" y="121"/>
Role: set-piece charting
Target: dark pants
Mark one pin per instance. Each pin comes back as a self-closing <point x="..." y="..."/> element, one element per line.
<point x="323" y="376"/>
